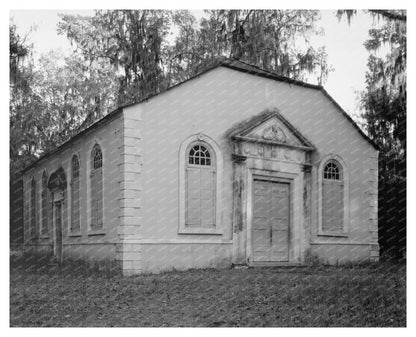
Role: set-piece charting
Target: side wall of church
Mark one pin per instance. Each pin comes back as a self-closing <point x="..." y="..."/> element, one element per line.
<point x="87" y="244"/>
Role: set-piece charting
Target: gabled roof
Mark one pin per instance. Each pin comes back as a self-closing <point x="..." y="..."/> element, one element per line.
<point x="218" y="62"/>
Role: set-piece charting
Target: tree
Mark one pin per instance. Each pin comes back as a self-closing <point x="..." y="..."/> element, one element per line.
<point x="72" y="89"/>
<point x="18" y="52"/>
<point x="132" y="41"/>
<point x="136" y="44"/>
<point x="384" y="108"/>
<point x="266" y="38"/>
<point x="55" y="102"/>
<point x="23" y="103"/>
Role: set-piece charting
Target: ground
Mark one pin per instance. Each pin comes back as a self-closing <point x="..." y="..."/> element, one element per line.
<point x="373" y="295"/>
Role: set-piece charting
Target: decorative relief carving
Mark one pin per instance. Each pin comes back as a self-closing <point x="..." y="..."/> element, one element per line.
<point x="275" y="152"/>
<point x="238" y="158"/>
<point x="286" y="154"/>
<point x="273" y="132"/>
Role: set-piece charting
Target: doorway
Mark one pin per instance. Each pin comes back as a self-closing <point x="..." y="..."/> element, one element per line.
<point x="271" y="221"/>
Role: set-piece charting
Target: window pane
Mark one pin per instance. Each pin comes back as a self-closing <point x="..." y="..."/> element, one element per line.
<point x="75" y="167"/>
<point x="198" y="155"/>
<point x="332" y="171"/>
<point x="75" y="212"/>
<point x="97" y="158"/>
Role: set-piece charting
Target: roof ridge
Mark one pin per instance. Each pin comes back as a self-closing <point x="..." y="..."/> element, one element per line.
<point x="234" y="64"/>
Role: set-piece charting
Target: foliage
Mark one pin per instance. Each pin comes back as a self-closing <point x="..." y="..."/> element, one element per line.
<point x="270" y="39"/>
<point x="131" y="40"/>
<point x="19" y="51"/>
<point x="54" y="102"/>
<point x="23" y="103"/>
<point x="384" y="107"/>
<point x="72" y="89"/>
<point x="136" y="44"/>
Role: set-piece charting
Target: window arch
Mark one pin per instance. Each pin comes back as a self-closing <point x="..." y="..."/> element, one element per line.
<point x="200" y="164"/>
<point x="44" y="206"/>
<point x="199" y="155"/>
<point x="333" y="197"/>
<point x="96" y="195"/>
<point x="33" y="229"/>
<point x="332" y="170"/>
<point x="75" y="203"/>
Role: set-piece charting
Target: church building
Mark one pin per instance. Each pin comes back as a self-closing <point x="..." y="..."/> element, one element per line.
<point x="235" y="166"/>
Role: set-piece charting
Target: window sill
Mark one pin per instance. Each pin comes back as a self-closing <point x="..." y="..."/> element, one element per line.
<point x="199" y="231"/>
<point x="93" y="232"/>
<point x="75" y="234"/>
<point x="335" y="234"/>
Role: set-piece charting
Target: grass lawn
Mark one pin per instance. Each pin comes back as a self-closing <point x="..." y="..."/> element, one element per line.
<point x="319" y="296"/>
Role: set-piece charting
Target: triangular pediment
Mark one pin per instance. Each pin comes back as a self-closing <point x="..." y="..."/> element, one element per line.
<point x="272" y="128"/>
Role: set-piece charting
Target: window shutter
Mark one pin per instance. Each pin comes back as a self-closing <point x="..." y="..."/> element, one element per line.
<point x="33" y="209"/>
<point x="50" y="208"/>
<point x="77" y="205"/>
<point x="99" y="196"/>
<point x="333" y="206"/>
<point x="75" y="220"/>
<point x="93" y="200"/>
<point x="193" y="197"/>
<point x="207" y="198"/>
<point x="200" y="198"/>
<point x="44" y="212"/>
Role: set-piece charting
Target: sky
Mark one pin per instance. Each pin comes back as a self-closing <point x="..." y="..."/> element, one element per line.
<point x="343" y="42"/>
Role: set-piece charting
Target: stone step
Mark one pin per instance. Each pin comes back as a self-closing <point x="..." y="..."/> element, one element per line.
<point x="276" y="264"/>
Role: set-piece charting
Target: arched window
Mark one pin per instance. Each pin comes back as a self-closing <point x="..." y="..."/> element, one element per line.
<point x="200" y="186"/>
<point x="333" y="197"/>
<point x="75" y="204"/>
<point x="199" y="155"/>
<point x="33" y="228"/>
<point x="96" y="188"/>
<point x="332" y="170"/>
<point x="44" y="194"/>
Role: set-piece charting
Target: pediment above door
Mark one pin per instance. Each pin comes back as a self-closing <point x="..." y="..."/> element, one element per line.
<point x="270" y="127"/>
<point x="57" y="180"/>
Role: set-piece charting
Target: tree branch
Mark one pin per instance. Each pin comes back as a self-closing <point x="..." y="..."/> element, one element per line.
<point x="389" y="15"/>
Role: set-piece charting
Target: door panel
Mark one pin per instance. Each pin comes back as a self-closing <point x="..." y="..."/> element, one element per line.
<point x="271" y="218"/>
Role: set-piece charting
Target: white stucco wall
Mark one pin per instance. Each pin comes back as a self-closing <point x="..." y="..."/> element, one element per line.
<point x="211" y="105"/>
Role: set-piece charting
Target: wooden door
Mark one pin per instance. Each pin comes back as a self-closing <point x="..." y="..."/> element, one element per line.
<point x="58" y="231"/>
<point x="271" y="217"/>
